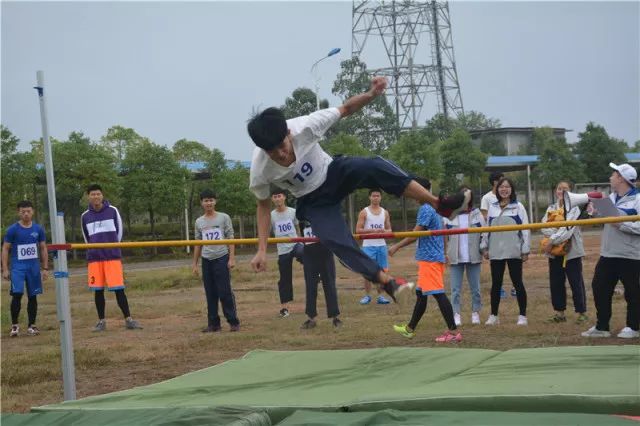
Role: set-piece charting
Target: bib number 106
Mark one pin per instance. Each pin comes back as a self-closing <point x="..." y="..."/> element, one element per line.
<point x="285" y="227"/>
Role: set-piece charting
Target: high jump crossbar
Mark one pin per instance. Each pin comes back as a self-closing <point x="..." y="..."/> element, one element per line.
<point x="385" y="235"/>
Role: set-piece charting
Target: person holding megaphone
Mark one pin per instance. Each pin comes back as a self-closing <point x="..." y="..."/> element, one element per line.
<point x="619" y="257"/>
<point x="565" y="250"/>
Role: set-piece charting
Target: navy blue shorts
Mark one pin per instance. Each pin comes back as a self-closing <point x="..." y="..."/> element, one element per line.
<point x="322" y="207"/>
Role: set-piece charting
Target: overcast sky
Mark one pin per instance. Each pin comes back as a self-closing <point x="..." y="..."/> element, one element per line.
<point x="173" y="70"/>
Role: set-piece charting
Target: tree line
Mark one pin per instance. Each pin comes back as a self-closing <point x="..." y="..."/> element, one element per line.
<point x="147" y="180"/>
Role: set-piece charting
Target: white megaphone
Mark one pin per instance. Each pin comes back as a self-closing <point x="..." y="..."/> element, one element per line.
<point x="571" y="199"/>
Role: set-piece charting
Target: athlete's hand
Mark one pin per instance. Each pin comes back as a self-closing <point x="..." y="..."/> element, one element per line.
<point x="5" y="274"/>
<point x="392" y="250"/>
<point x="231" y="263"/>
<point x="194" y="270"/>
<point x="525" y="257"/>
<point x="259" y="262"/>
<point x="45" y="275"/>
<point x="378" y="84"/>
<point x="485" y="254"/>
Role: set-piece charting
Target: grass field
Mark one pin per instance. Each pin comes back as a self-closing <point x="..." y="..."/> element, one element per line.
<point x="171" y="307"/>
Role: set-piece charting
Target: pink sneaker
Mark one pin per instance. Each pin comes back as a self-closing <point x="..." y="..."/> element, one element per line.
<point x="448" y="336"/>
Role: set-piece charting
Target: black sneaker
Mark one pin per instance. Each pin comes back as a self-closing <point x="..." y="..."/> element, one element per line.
<point x="234" y="328"/>
<point x="450" y="206"/>
<point x="284" y="312"/>
<point x="391" y="288"/>
<point x="308" y="324"/>
<point x="211" y="329"/>
<point x="337" y="323"/>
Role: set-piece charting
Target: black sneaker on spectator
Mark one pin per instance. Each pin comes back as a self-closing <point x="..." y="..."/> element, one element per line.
<point x="308" y="324"/>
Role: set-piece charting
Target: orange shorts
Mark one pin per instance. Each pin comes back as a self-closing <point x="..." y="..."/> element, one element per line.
<point x="430" y="277"/>
<point x="106" y="273"/>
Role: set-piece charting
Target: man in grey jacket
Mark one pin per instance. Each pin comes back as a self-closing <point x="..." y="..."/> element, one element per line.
<point x="619" y="257"/>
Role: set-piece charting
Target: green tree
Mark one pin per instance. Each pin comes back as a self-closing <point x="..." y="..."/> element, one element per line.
<point x="217" y="162"/>
<point x="636" y="146"/>
<point x="119" y="139"/>
<point x="596" y="149"/>
<point x="234" y="196"/>
<point x="194" y="151"/>
<point x="301" y="102"/>
<point x="18" y="174"/>
<point x="440" y="127"/>
<point x="557" y="162"/>
<point x="9" y="142"/>
<point x="416" y="153"/>
<point x="491" y="145"/>
<point x="186" y="150"/>
<point x="153" y="181"/>
<point x="474" y="120"/>
<point x="346" y="145"/>
<point x="460" y="157"/>
<point x="376" y="124"/>
<point x="77" y="163"/>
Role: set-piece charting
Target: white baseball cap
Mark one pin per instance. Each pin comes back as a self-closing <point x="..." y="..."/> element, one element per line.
<point x="627" y="172"/>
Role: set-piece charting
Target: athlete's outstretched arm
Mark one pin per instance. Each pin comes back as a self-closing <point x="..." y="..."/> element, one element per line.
<point x="355" y="103"/>
<point x="263" y="216"/>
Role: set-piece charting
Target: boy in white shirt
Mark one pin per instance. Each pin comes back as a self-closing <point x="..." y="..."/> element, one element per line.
<point x="374" y="219"/>
<point x="285" y="224"/>
<point x="288" y="155"/>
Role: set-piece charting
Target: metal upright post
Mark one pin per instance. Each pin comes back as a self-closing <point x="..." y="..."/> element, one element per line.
<point x="61" y="273"/>
<point x="529" y="196"/>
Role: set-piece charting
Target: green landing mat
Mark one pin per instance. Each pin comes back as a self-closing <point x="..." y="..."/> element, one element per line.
<point x="584" y="380"/>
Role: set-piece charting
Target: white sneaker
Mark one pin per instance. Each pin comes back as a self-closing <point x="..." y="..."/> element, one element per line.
<point x="15" y="331"/>
<point x="522" y="320"/>
<point x="493" y="320"/>
<point x="475" y="318"/>
<point x="628" y="333"/>
<point x="457" y="319"/>
<point x="594" y="332"/>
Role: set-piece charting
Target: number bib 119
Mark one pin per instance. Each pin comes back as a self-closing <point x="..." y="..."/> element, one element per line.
<point x="308" y="232"/>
